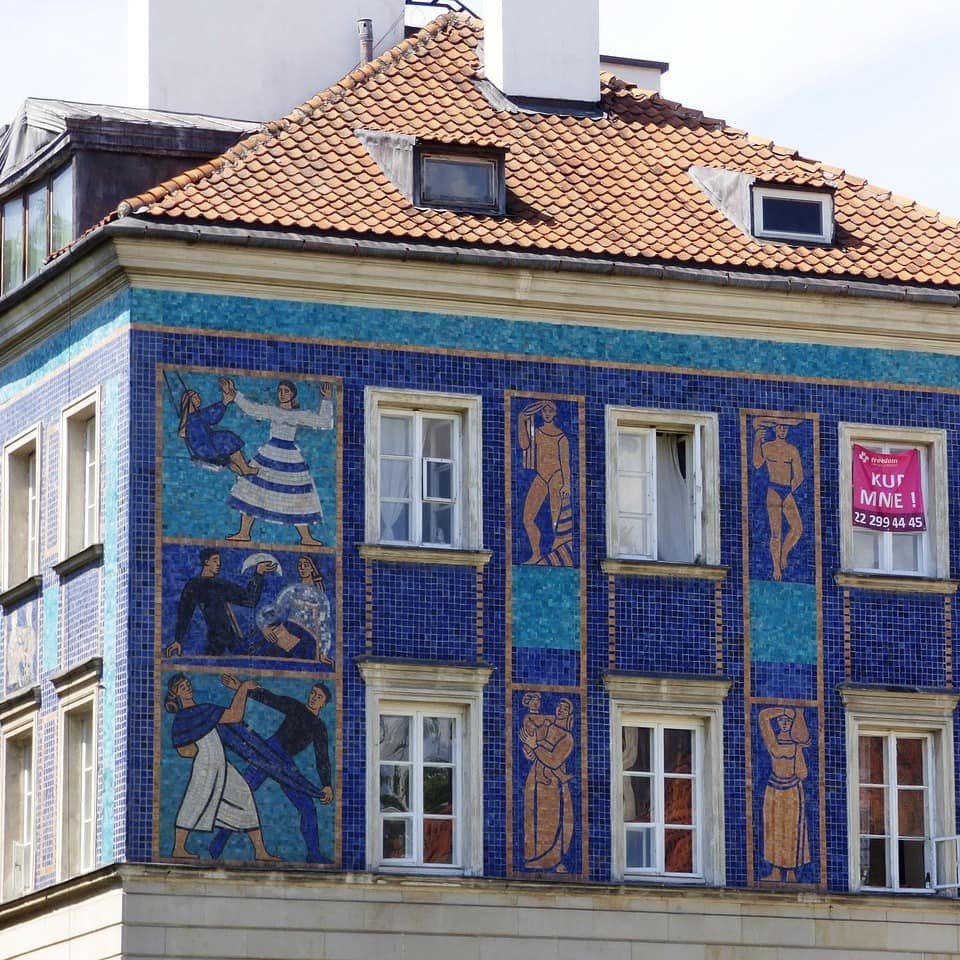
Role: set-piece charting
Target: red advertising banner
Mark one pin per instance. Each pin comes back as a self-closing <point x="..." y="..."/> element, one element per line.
<point x="887" y="490"/>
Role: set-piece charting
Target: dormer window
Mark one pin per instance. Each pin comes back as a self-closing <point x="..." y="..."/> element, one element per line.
<point x="459" y="179"/>
<point x="804" y="216"/>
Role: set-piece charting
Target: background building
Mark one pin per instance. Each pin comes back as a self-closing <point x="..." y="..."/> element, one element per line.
<point x="478" y="513"/>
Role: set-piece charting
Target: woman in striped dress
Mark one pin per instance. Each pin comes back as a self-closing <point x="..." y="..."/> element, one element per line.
<point x="282" y="490"/>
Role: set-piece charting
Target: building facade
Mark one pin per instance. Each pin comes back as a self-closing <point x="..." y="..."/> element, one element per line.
<point x="533" y="565"/>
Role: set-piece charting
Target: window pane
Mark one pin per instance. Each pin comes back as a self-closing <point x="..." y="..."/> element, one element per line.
<point x="913" y="868"/>
<point x="678" y="801"/>
<point x="906" y="551"/>
<point x="636" y="748"/>
<point x="872" y="760"/>
<point x="678" y="751"/>
<point x="395" y="521"/>
<point x="866" y="550"/>
<point x="394" y="738"/>
<point x="637" y="799"/>
<point x="678" y="851"/>
<point x="36" y="229"/>
<point x="11" y="274"/>
<point x="396" y="436"/>
<point x="639" y="849"/>
<point x="911" y="813"/>
<point x="439" y="480"/>
<point x="633" y="536"/>
<point x="394" y="787"/>
<point x="792" y="216"/>
<point x="873" y="863"/>
<point x="438" y="790"/>
<point x="438" y="739"/>
<point x="397" y="842"/>
<point x="632" y="452"/>
<point x="450" y="180"/>
<point x="438" y="438"/>
<point x="438" y="523"/>
<point x="61" y="209"/>
<point x="438" y="841"/>
<point x="873" y="810"/>
<point x="910" y="755"/>
<point x="395" y="479"/>
<point x="632" y="493"/>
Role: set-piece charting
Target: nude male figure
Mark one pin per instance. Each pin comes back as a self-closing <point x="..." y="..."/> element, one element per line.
<point x="785" y="474"/>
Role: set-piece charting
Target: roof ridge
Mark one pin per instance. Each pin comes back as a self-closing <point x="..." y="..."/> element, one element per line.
<point x="429" y="33"/>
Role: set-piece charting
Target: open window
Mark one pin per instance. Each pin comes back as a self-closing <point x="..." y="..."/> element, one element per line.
<point x="900" y="776"/>
<point x="662" y="486"/>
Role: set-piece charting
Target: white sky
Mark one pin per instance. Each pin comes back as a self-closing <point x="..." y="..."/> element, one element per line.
<point x="868" y="85"/>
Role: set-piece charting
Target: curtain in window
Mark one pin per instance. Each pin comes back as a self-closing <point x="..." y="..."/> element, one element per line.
<point x="674" y="510"/>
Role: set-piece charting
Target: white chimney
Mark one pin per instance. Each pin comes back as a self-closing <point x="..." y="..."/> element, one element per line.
<point x="247" y="58"/>
<point x="543" y="52"/>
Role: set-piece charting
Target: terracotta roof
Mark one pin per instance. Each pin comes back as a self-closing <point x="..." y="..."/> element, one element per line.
<point x="616" y="185"/>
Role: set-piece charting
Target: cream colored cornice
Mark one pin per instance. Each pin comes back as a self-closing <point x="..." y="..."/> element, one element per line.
<point x="521" y="293"/>
<point x="894" y="702"/>
<point x="70" y="290"/>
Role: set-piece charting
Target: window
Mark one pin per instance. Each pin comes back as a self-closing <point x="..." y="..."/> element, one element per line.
<point x="469" y="180"/>
<point x="21" y="509"/>
<point x="77" y="739"/>
<point x="18" y="720"/>
<point x="900" y="771"/>
<point x="80" y="489"/>
<point x="33" y="225"/>
<point x="423" y="469"/>
<point x="424" y="767"/>
<point x="662" y="486"/>
<point x="893" y="501"/>
<point x="792" y="215"/>
<point x="667" y="776"/>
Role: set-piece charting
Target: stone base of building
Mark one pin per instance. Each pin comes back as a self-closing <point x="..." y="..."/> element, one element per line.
<point x="140" y="912"/>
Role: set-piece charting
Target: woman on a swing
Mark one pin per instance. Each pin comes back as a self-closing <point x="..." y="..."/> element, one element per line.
<point x="218" y="447"/>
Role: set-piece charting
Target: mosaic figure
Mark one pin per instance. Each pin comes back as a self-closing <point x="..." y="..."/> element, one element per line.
<point x="301" y="728"/>
<point x="216" y="794"/>
<point x="547" y="803"/>
<point x="281" y="490"/>
<point x="546" y="450"/>
<point x="217" y="448"/>
<point x="786" y="841"/>
<point x="215" y="597"/>
<point x="784" y="476"/>
<point x="21" y="647"/>
<point x="297" y="623"/>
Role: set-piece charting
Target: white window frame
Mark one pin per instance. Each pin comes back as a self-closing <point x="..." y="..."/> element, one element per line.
<point x="21" y="561"/>
<point x="80" y="481"/>
<point x="682" y="702"/>
<point x="704" y="432"/>
<point x="435" y="690"/>
<point x="884" y="713"/>
<point x="18" y="723"/>
<point x="467" y="531"/>
<point x="823" y="199"/>
<point x="77" y="691"/>
<point x="935" y="541"/>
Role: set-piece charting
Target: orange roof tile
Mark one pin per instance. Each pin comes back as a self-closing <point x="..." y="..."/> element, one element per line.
<point x="615" y="186"/>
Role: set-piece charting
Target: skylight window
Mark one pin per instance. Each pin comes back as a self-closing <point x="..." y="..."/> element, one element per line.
<point x="804" y="216"/>
<point x="460" y="180"/>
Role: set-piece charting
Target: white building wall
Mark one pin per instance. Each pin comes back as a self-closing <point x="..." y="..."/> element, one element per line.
<point x="248" y="59"/>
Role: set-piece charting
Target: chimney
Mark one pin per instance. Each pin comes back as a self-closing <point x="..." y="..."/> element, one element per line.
<point x="365" y="29"/>
<point x="534" y="54"/>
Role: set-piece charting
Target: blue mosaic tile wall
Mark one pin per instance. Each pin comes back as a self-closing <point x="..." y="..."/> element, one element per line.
<point x="81" y="615"/>
<point x="660" y="625"/>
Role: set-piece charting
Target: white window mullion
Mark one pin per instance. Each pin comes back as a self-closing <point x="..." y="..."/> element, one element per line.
<point x="90" y="491"/>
